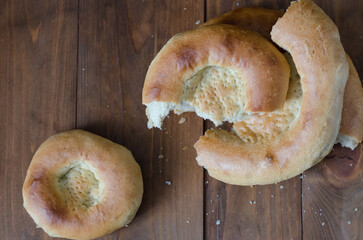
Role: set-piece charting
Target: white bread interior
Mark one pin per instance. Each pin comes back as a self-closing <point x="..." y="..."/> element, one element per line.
<point x="203" y="94"/>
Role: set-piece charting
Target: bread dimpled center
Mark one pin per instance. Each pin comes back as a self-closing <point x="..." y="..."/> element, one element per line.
<point x="216" y="93"/>
<point x="79" y="186"/>
<point x="268" y="126"/>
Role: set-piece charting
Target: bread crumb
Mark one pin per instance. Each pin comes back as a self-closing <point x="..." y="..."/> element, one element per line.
<point x="182" y="120"/>
<point x="161" y="156"/>
<point x="185" y="148"/>
<point x="168" y="183"/>
<point x="349" y="222"/>
<point x="206" y="182"/>
<point x="282" y="187"/>
<point x="197" y="22"/>
<point x="356" y="209"/>
<point x="323" y="223"/>
<point x="185" y="9"/>
<point x="126" y="225"/>
<point x="188" y="221"/>
<point x="351" y="164"/>
<point x="83" y="68"/>
<point x="272" y="195"/>
<point x="218" y="222"/>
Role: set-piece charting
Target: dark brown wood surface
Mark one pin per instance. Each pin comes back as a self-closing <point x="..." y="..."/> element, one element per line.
<point x="38" y="72"/>
<point x="81" y="64"/>
<point x="259" y="212"/>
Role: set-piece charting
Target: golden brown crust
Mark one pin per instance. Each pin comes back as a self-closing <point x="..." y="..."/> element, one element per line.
<point x="264" y="69"/>
<point x="352" y="115"/>
<point x="119" y="181"/>
<point x="259" y="20"/>
<point x="309" y="35"/>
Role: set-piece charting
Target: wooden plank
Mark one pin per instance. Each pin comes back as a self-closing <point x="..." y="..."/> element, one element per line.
<point x="333" y="190"/>
<point x="38" y="45"/>
<point x="260" y="212"/>
<point x="117" y="41"/>
<point x="332" y="202"/>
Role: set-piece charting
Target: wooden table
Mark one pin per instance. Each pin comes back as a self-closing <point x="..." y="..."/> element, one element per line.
<point x="81" y="64"/>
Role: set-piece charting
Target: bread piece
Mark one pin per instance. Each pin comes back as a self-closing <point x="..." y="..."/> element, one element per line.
<point x="82" y="186"/>
<point x="351" y="127"/>
<point x="221" y="72"/>
<point x="313" y="41"/>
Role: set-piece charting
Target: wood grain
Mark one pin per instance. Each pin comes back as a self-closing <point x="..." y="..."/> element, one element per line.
<point x="38" y="44"/>
<point x="117" y="42"/>
<point x="332" y="196"/>
<point x="260" y="212"/>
